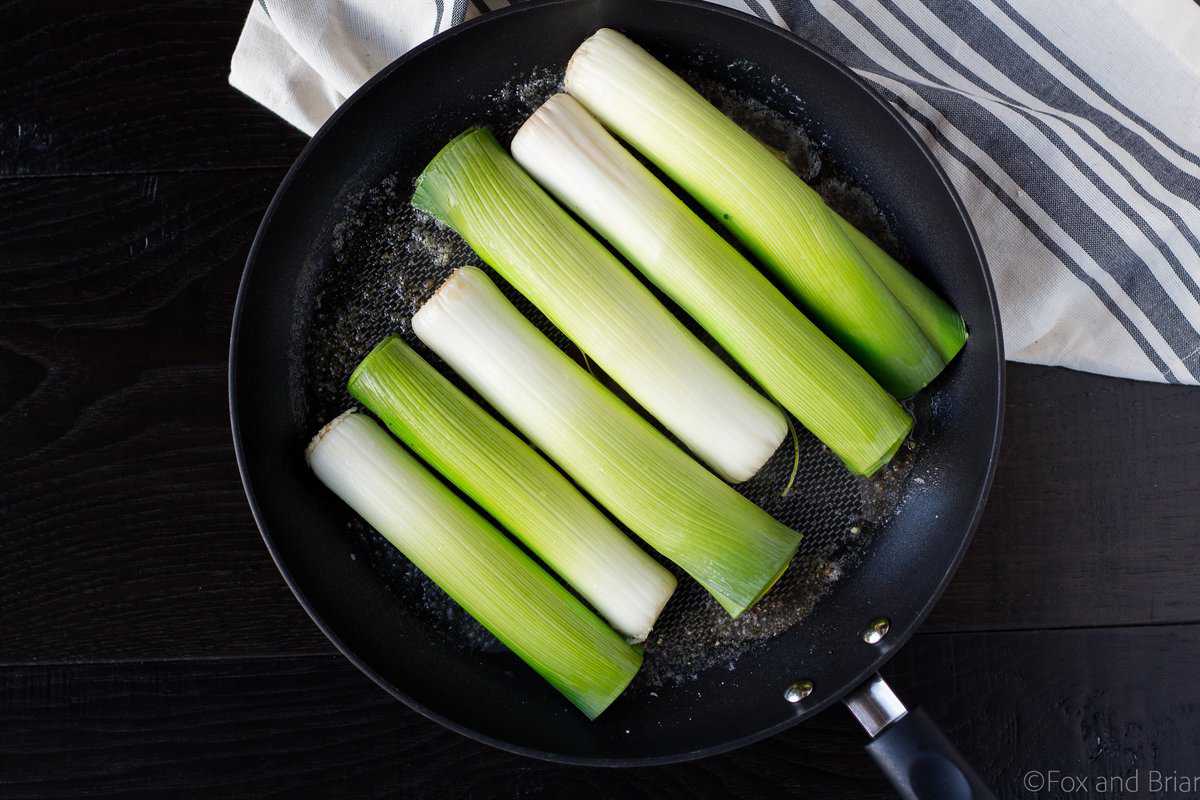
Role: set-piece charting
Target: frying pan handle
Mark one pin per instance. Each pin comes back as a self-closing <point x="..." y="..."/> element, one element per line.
<point x="911" y="749"/>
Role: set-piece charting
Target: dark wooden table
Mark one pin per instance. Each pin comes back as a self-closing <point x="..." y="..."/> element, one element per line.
<point x="149" y="647"/>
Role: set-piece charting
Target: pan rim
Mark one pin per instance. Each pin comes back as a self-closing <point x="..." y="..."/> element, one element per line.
<point x="899" y="637"/>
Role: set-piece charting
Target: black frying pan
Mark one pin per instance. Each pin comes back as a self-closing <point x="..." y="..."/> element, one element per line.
<point x="391" y="127"/>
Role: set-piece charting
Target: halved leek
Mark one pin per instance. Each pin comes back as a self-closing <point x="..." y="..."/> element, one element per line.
<point x="940" y="323"/>
<point x="481" y="570"/>
<point x="729" y="545"/>
<point x="571" y="154"/>
<point x="766" y="205"/>
<point x="514" y="484"/>
<point x="476" y="188"/>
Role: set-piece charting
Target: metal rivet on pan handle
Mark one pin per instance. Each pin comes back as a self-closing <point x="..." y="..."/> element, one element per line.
<point x="798" y="691"/>
<point x="877" y="630"/>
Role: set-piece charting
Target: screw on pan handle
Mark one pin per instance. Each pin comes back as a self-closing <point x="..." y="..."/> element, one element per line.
<point x="912" y="751"/>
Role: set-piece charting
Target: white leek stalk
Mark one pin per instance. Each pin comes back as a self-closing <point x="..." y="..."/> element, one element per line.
<point x="581" y="164"/>
<point x="481" y="570"/>
<point x="783" y="222"/>
<point x="509" y="480"/>
<point x="729" y="545"/>
<point x="476" y="188"/>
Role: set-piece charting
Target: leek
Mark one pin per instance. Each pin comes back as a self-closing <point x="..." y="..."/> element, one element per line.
<point x="481" y="570"/>
<point x="570" y="154"/>
<point x="940" y="323"/>
<point x="729" y="545"/>
<point x="772" y="210"/>
<point x="514" y="484"/>
<point x="476" y="188"/>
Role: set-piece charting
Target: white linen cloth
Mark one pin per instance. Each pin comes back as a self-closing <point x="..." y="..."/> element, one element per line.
<point x="1071" y="129"/>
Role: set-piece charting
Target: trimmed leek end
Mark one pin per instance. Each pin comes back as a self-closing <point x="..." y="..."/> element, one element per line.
<point x="940" y="323"/>
<point x="476" y="188"/>
<point x="581" y="164"/>
<point x="760" y="200"/>
<point x="481" y="570"/>
<point x="732" y="547"/>
<point x="509" y="480"/>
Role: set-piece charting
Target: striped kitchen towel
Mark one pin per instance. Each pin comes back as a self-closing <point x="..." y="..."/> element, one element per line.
<point x="1070" y="129"/>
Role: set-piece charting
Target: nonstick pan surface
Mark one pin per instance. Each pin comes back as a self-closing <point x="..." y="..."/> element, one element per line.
<point x="382" y="137"/>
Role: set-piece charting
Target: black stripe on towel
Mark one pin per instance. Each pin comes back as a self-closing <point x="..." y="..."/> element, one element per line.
<point x="758" y="9"/>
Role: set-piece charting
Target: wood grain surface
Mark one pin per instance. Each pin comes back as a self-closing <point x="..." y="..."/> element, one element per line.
<point x="123" y="512"/>
<point x="125" y="87"/>
<point x="148" y="646"/>
<point x="1091" y="704"/>
<point x="1095" y="510"/>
